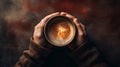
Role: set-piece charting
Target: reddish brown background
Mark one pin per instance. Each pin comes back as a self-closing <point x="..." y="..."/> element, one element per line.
<point x="18" y="18"/>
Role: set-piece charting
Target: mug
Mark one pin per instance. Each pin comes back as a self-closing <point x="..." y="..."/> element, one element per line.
<point x="59" y="30"/>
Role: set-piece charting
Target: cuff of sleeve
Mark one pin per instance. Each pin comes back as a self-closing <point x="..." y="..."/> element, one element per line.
<point x="37" y="51"/>
<point x="79" y="50"/>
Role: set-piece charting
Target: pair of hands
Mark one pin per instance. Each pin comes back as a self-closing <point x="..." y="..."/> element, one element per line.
<point x="38" y="34"/>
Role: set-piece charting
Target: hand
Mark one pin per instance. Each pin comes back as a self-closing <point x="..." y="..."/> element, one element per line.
<point x="38" y="35"/>
<point x="81" y="33"/>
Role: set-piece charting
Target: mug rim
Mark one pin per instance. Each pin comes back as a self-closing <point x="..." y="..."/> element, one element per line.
<point x="63" y="17"/>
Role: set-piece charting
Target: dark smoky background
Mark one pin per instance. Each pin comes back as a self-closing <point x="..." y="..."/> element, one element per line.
<point x="18" y="18"/>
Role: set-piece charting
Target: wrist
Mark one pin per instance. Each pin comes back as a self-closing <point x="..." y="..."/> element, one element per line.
<point x="37" y="51"/>
<point x="73" y="46"/>
<point x="41" y="42"/>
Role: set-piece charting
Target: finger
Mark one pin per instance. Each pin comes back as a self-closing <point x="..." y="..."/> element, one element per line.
<point x="49" y="16"/>
<point x="63" y="13"/>
<point x="71" y="17"/>
<point x="39" y="27"/>
<point x="67" y="15"/>
<point x="45" y="19"/>
<point x="79" y="27"/>
<point x="83" y="28"/>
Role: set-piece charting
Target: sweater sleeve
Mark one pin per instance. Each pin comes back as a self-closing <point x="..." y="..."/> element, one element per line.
<point x="87" y="55"/>
<point x="34" y="56"/>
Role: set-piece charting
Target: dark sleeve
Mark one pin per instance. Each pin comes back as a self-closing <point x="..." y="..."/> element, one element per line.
<point x="34" y="56"/>
<point x="88" y="56"/>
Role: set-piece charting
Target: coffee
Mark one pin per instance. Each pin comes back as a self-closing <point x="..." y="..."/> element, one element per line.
<point x="59" y="31"/>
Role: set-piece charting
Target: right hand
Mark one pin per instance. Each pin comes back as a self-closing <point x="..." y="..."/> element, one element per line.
<point x="80" y="33"/>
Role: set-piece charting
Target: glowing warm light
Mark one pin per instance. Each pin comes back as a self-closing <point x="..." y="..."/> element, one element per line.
<point x="63" y="31"/>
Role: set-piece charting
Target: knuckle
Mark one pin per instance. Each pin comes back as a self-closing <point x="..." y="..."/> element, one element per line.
<point x="81" y="34"/>
<point x="78" y="25"/>
<point x="82" y="25"/>
<point x="37" y="34"/>
<point x="76" y="20"/>
<point x="35" y="27"/>
<point x="38" y="27"/>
